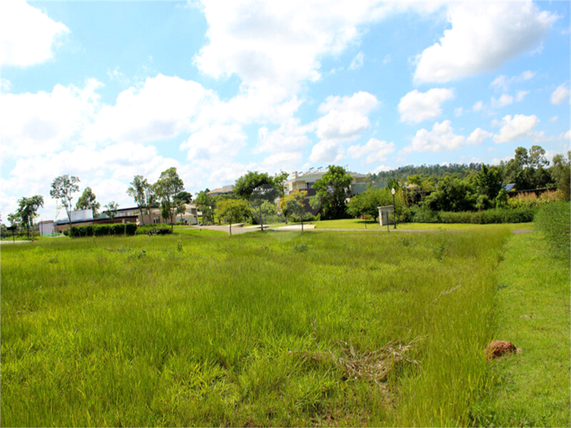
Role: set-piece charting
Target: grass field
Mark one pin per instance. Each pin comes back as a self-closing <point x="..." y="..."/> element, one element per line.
<point x="204" y="329"/>
<point x="369" y="224"/>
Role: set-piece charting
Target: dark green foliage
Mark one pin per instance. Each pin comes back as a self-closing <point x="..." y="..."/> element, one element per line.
<point x="246" y="184"/>
<point x="553" y="220"/>
<point x="160" y="230"/>
<point x="452" y="194"/>
<point x="498" y="215"/>
<point x="332" y="191"/>
<point x="101" y="230"/>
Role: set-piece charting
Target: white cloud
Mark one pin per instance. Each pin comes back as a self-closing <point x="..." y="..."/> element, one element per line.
<point x="326" y="151"/>
<point x="515" y="128"/>
<point x="458" y="111"/>
<point x="478" y="136"/>
<point x="279" y="43"/>
<point x="357" y="62"/>
<point x="417" y="106"/>
<point x="478" y="106"/>
<point x="521" y="95"/>
<point x="376" y="150"/>
<point x="289" y="136"/>
<point x="560" y="95"/>
<point x="161" y="108"/>
<point x="27" y="35"/>
<point x="503" y="82"/>
<point x="554" y="119"/>
<point x="505" y="100"/>
<point x="218" y="142"/>
<point x="442" y="138"/>
<point x="345" y="118"/>
<point x="285" y="161"/>
<point x="483" y="36"/>
<point x="42" y="122"/>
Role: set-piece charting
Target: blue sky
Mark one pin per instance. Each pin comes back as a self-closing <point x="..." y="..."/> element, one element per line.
<point x="108" y="90"/>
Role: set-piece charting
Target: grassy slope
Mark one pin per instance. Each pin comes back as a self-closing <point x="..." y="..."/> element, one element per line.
<point x="204" y="329"/>
<point x="532" y="387"/>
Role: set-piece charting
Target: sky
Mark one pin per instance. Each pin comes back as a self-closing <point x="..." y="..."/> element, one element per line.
<point x="106" y="90"/>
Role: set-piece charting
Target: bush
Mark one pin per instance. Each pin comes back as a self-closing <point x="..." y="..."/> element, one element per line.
<point x="101" y="230"/>
<point x="497" y="215"/>
<point x="161" y="230"/>
<point x="144" y="230"/>
<point x="553" y="221"/>
<point x="422" y="215"/>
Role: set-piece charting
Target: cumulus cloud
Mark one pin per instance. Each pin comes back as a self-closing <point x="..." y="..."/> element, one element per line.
<point x="161" y="108"/>
<point x="560" y="95"/>
<point x="417" y="106"/>
<point x="326" y="151"/>
<point x="279" y="42"/>
<point x="482" y="38"/>
<point x="515" y="128"/>
<point x="375" y="150"/>
<point x="42" y="122"/>
<point x="289" y="136"/>
<point x="345" y="118"/>
<point x="504" y="100"/>
<point x="218" y="142"/>
<point x="27" y="35"/>
<point x="442" y="138"/>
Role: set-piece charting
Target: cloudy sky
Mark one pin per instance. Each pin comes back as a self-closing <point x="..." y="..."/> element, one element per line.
<point x="109" y="90"/>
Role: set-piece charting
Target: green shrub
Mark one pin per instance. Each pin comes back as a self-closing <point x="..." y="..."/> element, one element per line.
<point x="422" y="215"/>
<point x="101" y="230"/>
<point x="161" y="230"/>
<point x="497" y="215"/>
<point x="553" y="220"/>
<point x="144" y="230"/>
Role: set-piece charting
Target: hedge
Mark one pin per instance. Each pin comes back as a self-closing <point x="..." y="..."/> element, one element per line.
<point x="101" y="230"/>
<point x="497" y="215"/>
<point x="553" y="220"/>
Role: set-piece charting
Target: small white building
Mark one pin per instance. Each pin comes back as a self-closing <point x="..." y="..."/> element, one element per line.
<point x="386" y="215"/>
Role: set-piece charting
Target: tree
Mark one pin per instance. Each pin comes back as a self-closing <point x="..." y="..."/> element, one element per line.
<point x="333" y="189"/>
<point x="488" y="183"/>
<point x="180" y="207"/>
<point x="561" y="172"/>
<point x="185" y="197"/>
<point x="28" y="210"/>
<point x="167" y="187"/>
<point x="206" y="204"/>
<point x="233" y="211"/>
<point x="294" y="206"/>
<point x="111" y="210"/>
<point x="246" y="184"/>
<point x="87" y="201"/>
<point x="451" y="194"/>
<point x="63" y="187"/>
<point x="144" y="195"/>
<point x="262" y="202"/>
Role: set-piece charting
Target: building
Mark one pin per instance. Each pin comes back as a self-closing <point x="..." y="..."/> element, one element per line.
<point x="63" y="224"/>
<point x="153" y="215"/>
<point x="224" y="190"/>
<point x="305" y="181"/>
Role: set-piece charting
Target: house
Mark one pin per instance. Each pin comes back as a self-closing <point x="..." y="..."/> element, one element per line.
<point x="153" y="215"/>
<point x="81" y="219"/>
<point x="306" y="180"/>
<point x="224" y="190"/>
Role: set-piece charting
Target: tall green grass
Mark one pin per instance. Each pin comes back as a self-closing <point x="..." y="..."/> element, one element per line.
<point x="202" y="329"/>
<point x="553" y="220"/>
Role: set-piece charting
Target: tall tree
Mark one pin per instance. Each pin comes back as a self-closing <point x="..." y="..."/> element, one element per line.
<point x="88" y="201"/>
<point x="144" y="195"/>
<point x="206" y="204"/>
<point x="561" y="172"/>
<point x="63" y="187"/>
<point x="28" y="210"/>
<point x="233" y="211"/>
<point x="333" y="189"/>
<point x="246" y="184"/>
<point x="111" y="209"/>
<point x="294" y="206"/>
<point x="167" y="187"/>
<point x="488" y="183"/>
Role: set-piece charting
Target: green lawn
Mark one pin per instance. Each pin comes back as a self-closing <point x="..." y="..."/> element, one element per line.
<point x="369" y="224"/>
<point x="533" y="301"/>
